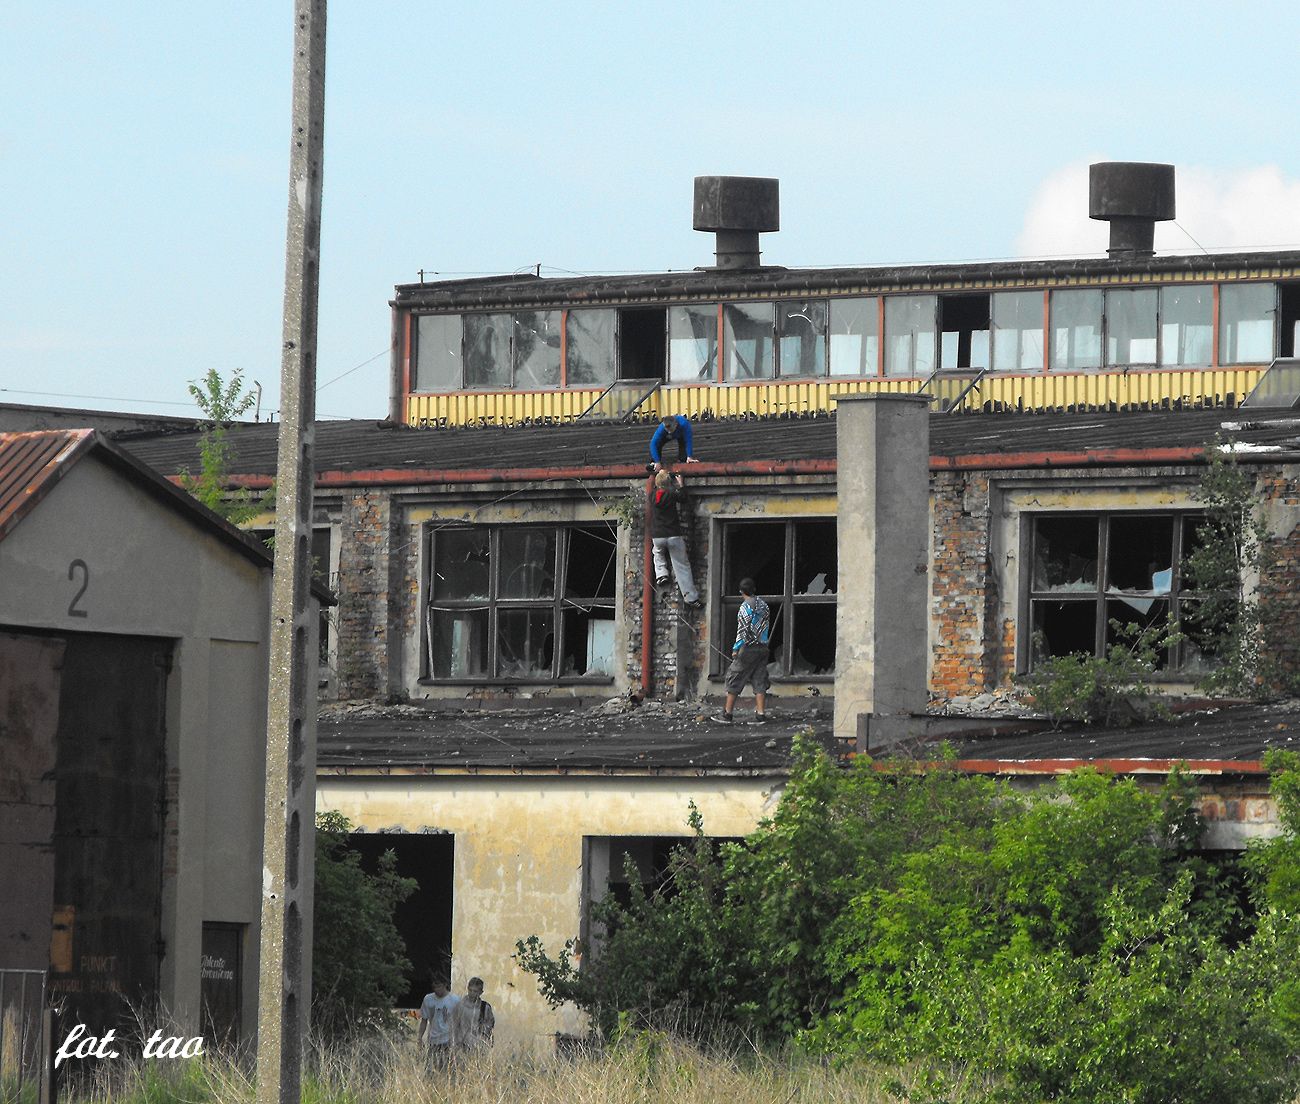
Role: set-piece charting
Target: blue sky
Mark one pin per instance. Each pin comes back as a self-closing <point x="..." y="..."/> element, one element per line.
<point x="144" y="156"/>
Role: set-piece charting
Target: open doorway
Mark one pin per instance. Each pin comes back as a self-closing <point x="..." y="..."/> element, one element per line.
<point x="642" y="343"/>
<point x="423" y="920"/>
<point x="1288" y="319"/>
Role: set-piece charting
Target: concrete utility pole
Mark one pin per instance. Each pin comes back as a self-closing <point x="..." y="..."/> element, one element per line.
<point x="289" y="826"/>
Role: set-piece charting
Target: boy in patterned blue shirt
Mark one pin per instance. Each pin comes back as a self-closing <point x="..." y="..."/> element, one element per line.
<point x="749" y="655"/>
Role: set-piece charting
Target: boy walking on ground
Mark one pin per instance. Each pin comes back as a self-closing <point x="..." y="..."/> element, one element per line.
<point x="667" y="539"/>
<point x="435" y="1016"/>
<point x="472" y="1021"/>
<point x="749" y="654"/>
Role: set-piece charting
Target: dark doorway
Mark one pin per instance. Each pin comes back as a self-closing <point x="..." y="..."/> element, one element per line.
<point x="642" y="344"/>
<point x="1288" y="319"/>
<point x="424" y="919"/>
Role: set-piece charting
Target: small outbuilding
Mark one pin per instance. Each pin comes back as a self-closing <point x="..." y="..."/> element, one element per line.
<point x="134" y="636"/>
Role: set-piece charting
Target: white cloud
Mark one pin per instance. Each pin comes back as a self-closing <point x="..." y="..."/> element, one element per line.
<point x="1250" y="208"/>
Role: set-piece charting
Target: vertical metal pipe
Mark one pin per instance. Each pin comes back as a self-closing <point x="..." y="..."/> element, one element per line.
<point x="647" y="598"/>
<point x="287" y="846"/>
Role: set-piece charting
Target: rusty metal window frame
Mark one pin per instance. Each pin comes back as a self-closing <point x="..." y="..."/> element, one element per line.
<point x="557" y="605"/>
<point x="785" y="605"/>
<point x="1100" y="592"/>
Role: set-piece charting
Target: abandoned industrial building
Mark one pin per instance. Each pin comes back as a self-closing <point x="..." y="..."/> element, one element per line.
<point x="937" y="476"/>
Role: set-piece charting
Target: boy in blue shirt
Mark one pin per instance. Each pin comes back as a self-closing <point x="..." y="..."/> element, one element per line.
<point x="749" y="655"/>
<point x="672" y="427"/>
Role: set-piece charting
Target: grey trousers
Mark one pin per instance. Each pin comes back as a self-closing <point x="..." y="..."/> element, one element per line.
<point x="674" y="548"/>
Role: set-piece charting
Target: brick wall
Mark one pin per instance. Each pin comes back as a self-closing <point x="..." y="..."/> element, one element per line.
<point x="363" y="595"/>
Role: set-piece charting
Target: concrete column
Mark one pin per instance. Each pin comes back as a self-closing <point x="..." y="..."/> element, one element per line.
<point x="882" y="614"/>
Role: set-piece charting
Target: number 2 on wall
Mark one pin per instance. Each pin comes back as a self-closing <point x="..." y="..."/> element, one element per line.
<point x="78" y="566"/>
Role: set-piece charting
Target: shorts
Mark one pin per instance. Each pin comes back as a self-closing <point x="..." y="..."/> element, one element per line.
<point x="748" y="665"/>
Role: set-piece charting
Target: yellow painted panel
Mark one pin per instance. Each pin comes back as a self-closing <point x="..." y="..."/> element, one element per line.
<point x="1046" y="390"/>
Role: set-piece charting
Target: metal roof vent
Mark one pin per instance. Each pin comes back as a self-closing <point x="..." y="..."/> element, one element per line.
<point x="737" y="209"/>
<point x="1132" y="196"/>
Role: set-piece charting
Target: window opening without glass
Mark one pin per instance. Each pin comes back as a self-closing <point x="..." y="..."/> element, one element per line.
<point x="642" y="343"/>
<point x="964" y="331"/>
<point x="794" y="565"/>
<point x="521" y="603"/>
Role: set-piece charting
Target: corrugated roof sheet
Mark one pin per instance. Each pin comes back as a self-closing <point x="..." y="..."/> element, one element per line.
<point x="30" y="464"/>
<point x="1047" y="439"/>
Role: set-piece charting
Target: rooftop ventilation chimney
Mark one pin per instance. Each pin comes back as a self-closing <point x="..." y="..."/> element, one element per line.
<point x="1132" y="196"/>
<point x="737" y="209"/>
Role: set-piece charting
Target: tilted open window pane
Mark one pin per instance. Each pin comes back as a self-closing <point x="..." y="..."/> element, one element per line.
<point x="1246" y="322"/>
<point x="527" y="566"/>
<point x="487" y="349"/>
<point x="1018" y="331"/>
<point x="1187" y="324"/>
<point x="801" y="338"/>
<point x="910" y="334"/>
<point x="458" y="643"/>
<point x="692" y="344"/>
<point x="437" y="353"/>
<point x="462" y="559"/>
<point x="592" y="350"/>
<point x="854" y="337"/>
<point x="1131" y="326"/>
<point x="748" y="340"/>
<point x="1076" y="330"/>
<point x="537" y="349"/>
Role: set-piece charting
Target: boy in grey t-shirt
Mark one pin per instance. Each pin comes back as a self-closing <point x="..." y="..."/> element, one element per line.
<point x="435" y="1017"/>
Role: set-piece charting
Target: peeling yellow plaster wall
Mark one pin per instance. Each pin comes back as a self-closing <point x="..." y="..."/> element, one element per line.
<point x="518" y="859"/>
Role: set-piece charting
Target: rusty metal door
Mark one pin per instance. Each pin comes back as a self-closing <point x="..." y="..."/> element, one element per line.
<point x="108" y="836"/>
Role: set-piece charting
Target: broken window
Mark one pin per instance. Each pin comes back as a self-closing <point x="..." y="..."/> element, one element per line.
<point x="692" y="344"/>
<point x="964" y="331"/>
<point x="1246" y="313"/>
<point x="794" y="565"/>
<point x="1186" y="324"/>
<point x="537" y="349"/>
<point x="591" y="347"/>
<point x="1076" y="330"/>
<point x="1017" y="320"/>
<point x="909" y="334"/>
<point x="854" y="337"/>
<point x="487" y="349"/>
<point x="748" y="340"/>
<point x="1091" y="569"/>
<point x="521" y="603"/>
<point x="436" y="364"/>
<point x="801" y="338"/>
<point x="1288" y="319"/>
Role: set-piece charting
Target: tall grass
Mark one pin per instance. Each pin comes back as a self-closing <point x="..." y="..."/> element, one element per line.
<point x="643" y="1068"/>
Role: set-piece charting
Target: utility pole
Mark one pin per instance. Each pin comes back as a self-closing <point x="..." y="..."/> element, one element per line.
<point x="288" y="845"/>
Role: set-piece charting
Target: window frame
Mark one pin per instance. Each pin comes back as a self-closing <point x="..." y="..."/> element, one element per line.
<point x="723" y="627"/>
<point x="1178" y="595"/>
<point x="558" y="603"/>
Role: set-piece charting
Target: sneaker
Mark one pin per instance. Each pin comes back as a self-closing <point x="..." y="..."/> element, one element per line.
<point x="697" y="604"/>
<point x="662" y="581"/>
<point x="760" y="718"/>
<point x="724" y="718"/>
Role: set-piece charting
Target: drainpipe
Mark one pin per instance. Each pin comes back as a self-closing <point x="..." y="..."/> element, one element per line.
<point x="647" y="599"/>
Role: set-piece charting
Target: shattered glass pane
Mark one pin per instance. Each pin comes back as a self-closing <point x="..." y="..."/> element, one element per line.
<point x="592" y="351"/>
<point x="458" y="643"/>
<point x="1076" y="330"/>
<point x="1065" y="554"/>
<point x="813" y="643"/>
<point x="1131" y="326"/>
<point x="1139" y="612"/>
<point x="590" y="572"/>
<point x="588" y="643"/>
<point x="525" y="643"/>
<point x="855" y="337"/>
<point x="910" y="334"/>
<point x="461" y="561"/>
<point x="757" y="550"/>
<point x="692" y="344"/>
<point x="801" y="337"/>
<point x="1140" y="554"/>
<point x="815" y="555"/>
<point x="437" y="353"/>
<point x="747" y="340"/>
<point x="1064" y="628"/>
<point x="487" y="349"/>
<point x="1186" y="324"/>
<point x="537" y="349"/>
<point x="527" y="566"/>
